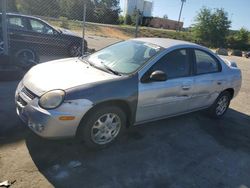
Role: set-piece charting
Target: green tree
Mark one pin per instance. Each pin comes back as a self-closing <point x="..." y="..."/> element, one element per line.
<point x="39" y="7"/>
<point x="165" y="16"/>
<point x="239" y="39"/>
<point x="128" y="20"/>
<point x="11" y="6"/>
<point x="107" y="11"/>
<point x="121" y="19"/>
<point x="212" y="27"/>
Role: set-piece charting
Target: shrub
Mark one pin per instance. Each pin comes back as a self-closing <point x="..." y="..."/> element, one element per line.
<point x="64" y="23"/>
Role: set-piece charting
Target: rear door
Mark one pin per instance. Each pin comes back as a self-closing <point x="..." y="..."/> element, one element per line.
<point x="17" y="30"/>
<point x="207" y="80"/>
<point x="165" y="98"/>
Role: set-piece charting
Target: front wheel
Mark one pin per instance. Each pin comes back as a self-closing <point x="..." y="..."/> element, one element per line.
<point x="220" y="106"/>
<point x="103" y="126"/>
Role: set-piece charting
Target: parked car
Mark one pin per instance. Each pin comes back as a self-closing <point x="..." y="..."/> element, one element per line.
<point x="247" y="55"/>
<point x="30" y="36"/>
<point x="222" y="51"/>
<point x="129" y="83"/>
<point x="237" y="53"/>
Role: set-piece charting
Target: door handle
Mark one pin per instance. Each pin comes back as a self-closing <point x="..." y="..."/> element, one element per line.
<point x="220" y="82"/>
<point x="186" y="87"/>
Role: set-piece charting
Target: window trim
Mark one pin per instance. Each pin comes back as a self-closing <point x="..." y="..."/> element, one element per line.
<point x="195" y="62"/>
<point x="190" y="61"/>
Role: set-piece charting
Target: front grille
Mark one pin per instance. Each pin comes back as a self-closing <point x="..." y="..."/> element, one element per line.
<point x="21" y="101"/>
<point x="28" y="93"/>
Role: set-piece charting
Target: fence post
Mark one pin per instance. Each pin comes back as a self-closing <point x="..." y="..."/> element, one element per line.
<point x="4" y="28"/>
<point x="83" y="28"/>
<point x="137" y="23"/>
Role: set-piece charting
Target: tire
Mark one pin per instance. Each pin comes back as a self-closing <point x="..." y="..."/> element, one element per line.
<point x="75" y="50"/>
<point x="220" y="106"/>
<point x="97" y="130"/>
<point x="26" y="57"/>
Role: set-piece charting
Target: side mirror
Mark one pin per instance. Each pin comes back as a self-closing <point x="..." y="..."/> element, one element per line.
<point x="156" y="76"/>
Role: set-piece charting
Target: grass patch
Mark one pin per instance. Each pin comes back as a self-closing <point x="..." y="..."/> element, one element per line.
<point x="121" y="31"/>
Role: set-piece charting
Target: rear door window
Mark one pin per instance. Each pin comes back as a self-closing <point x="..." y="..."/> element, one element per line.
<point x="205" y="63"/>
<point x="17" y="23"/>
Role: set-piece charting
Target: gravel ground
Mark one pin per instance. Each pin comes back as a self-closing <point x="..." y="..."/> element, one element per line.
<point x="187" y="151"/>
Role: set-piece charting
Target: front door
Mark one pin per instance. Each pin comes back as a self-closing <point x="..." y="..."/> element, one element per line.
<point x="166" y="98"/>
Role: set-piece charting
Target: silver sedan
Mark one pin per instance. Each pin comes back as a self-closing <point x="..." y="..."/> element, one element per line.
<point x="96" y="97"/>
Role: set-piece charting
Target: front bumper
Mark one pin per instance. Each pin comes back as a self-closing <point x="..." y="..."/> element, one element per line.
<point x="47" y="123"/>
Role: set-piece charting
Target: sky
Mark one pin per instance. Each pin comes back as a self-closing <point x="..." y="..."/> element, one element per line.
<point x="238" y="10"/>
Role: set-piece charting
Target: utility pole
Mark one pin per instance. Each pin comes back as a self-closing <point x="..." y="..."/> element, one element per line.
<point x="182" y="3"/>
<point x="4" y="27"/>
<point x="137" y="22"/>
<point x="83" y="27"/>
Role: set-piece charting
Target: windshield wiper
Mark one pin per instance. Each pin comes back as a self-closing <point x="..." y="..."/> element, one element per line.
<point x="110" y="69"/>
<point x="85" y="61"/>
<point x="103" y="64"/>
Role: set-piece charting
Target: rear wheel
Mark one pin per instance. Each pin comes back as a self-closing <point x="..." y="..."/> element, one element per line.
<point x="103" y="126"/>
<point x="26" y="57"/>
<point x="220" y="106"/>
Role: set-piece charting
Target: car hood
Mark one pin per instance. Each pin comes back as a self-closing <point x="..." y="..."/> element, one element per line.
<point x="68" y="32"/>
<point x="62" y="74"/>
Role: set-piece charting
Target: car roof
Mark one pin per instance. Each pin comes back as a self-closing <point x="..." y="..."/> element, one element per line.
<point x="22" y="15"/>
<point x="166" y="42"/>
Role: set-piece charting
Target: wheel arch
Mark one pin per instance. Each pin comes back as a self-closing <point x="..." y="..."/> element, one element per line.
<point x="230" y="90"/>
<point x="122" y="104"/>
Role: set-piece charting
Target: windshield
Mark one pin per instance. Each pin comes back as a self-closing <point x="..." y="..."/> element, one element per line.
<point x="124" y="57"/>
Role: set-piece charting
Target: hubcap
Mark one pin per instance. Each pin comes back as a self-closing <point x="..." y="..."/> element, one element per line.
<point x="222" y="105"/>
<point x="106" y="128"/>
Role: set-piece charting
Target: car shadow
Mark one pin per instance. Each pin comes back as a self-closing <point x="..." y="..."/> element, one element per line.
<point x="232" y="131"/>
<point x="170" y="152"/>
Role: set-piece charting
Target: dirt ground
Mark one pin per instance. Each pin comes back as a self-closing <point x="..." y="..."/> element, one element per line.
<point x="182" y="152"/>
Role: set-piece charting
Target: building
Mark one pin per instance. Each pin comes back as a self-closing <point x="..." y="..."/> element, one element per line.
<point x="144" y="6"/>
<point x="162" y="23"/>
<point x="147" y="8"/>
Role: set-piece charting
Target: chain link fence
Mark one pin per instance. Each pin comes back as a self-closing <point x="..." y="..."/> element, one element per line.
<point x="41" y="30"/>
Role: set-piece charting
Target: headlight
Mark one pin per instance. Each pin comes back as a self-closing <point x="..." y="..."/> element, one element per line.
<point x="52" y="99"/>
